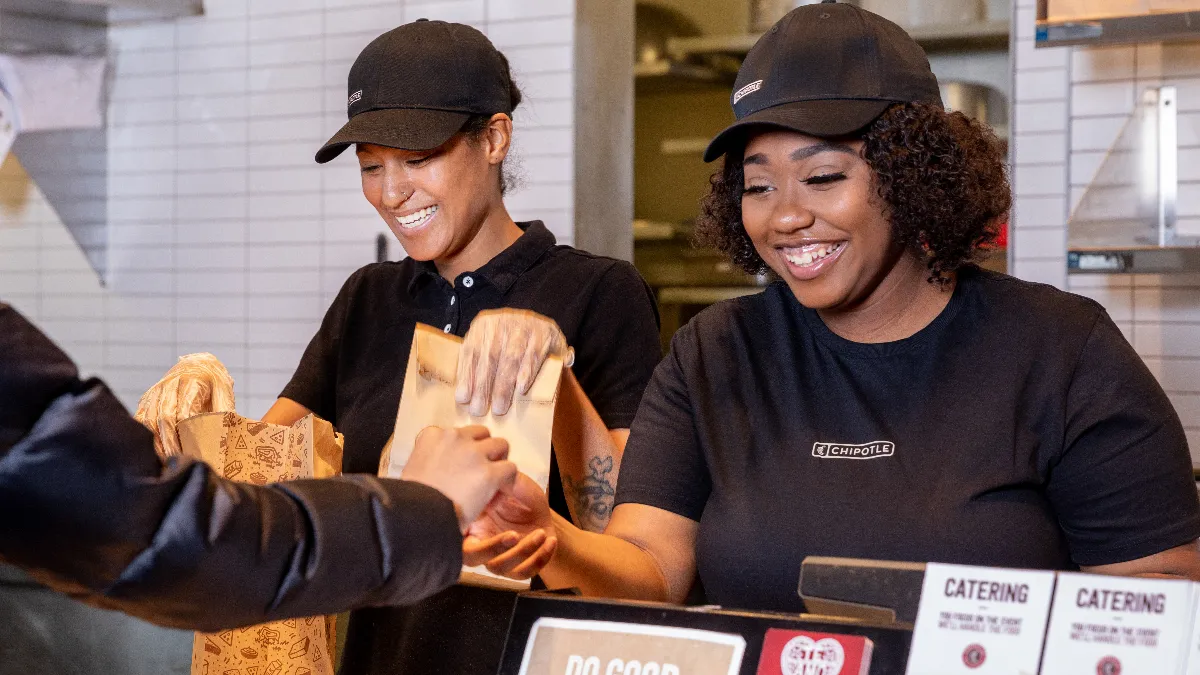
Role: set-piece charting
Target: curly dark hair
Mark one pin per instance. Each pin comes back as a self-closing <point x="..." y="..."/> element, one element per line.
<point x="942" y="177"/>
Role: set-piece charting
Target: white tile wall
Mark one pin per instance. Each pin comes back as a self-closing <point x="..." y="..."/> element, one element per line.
<point x="1070" y="106"/>
<point x="224" y="235"/>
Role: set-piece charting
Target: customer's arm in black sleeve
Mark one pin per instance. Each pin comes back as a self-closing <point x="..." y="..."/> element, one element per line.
<point x="87" y="507"/>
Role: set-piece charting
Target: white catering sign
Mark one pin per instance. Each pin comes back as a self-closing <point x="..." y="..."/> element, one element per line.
<point x="1104" y="625"/>
<point x="980" y="621"/>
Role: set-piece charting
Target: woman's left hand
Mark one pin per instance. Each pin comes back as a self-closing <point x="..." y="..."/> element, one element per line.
<point x="515" y="536"/>
<point x="501" y="355"/>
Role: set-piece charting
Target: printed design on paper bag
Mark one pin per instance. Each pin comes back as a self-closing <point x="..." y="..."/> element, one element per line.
<point x="269" y="456"/>
<point x="974" y="656"/>
<point x="265" y="453"/>
<point x="300" y="648"/>
<point x="1108" y="665"/>
<point x="872" y="450"/>
<point x="747" y="90"/>
<point x="804" y="656"/>
<point x="267" y="636"/>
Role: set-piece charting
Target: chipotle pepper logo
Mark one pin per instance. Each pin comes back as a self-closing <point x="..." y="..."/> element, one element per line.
<point x="1108" y="665"/>
<point x="974" y="656"/>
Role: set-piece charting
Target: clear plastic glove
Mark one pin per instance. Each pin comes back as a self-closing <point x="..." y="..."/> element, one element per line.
<point x="199" y="383"/>
<point x="466" y="464"/>
<point x="515" y="537"/>
<point x="501" y="356"/>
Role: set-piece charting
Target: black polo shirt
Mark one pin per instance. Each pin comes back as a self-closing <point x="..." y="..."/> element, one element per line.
<point x="352" y="372"/>
<point x="1017" y="429"/>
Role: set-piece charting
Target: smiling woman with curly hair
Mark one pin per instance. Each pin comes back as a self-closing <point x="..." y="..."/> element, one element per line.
<point x="886" y="398"/>
<point x="942" y="176"/>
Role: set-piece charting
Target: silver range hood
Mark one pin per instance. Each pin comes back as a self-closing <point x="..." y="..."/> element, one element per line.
<point x="1126" y="221"/>
<point x="66" y="158"/>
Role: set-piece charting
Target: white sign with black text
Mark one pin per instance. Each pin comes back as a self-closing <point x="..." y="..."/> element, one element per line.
<point x="1103" y="625"/>
<point x="980" y="621"/>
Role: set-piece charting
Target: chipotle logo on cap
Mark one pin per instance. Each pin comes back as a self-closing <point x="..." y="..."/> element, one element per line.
<point x="791" y="652"/>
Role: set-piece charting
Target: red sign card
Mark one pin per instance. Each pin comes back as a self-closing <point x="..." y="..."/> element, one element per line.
<point x="794" y="652"/>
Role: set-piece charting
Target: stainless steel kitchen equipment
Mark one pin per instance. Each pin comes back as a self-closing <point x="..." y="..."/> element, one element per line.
<point x="1127" y="220"/>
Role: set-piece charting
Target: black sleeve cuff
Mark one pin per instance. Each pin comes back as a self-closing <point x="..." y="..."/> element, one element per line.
<point x="621" y="420"/>
<point x="1182" y="533"/>
<point x="688" y="507"/>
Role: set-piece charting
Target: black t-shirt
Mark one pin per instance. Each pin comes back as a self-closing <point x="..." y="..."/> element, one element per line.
<point x="1017" y="429"/>
<point x="352" y="372"/>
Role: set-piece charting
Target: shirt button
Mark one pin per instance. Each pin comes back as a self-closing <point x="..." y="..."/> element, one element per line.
<point x="452" y="299"/>
<point x="468" y="282"/>
<point x="446" y="329"/>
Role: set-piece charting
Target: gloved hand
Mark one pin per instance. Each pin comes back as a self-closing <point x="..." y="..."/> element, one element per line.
<point x="501" y="355"/>
<point x="199" y="383"/>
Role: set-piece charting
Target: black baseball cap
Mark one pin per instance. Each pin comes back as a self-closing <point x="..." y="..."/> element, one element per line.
<point x="826" y="70"/>
<point x="415" y="86"/>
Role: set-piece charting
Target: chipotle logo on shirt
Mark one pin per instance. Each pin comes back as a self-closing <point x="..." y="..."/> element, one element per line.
<point x="870" y="450"/>
<point x="792" y="652"/>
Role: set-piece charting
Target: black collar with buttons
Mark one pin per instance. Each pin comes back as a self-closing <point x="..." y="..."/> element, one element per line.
<point x="503" y="270"/>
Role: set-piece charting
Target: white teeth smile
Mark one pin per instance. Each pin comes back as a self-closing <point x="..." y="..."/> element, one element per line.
<point x="418" y="218"/>
<point x="809" y="254"/>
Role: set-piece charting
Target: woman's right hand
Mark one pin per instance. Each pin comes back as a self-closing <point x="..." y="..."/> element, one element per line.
<point x="199" y="383"/>
<point x="515" y="537"/>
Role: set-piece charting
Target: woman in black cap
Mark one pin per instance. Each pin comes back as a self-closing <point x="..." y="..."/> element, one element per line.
<point x="886" y="398"/>
<point x="430" y="106"/>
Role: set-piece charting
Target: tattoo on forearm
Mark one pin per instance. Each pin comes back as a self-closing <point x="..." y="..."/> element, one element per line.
<point x="593" y="496"/>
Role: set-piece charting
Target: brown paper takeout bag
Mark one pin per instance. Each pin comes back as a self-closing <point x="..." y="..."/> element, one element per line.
<point x="428" y="400"/>
<point x="256" y="452"/>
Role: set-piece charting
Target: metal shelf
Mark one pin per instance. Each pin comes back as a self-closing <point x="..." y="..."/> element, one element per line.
<point x="1148" y="260"/>
<point x="972" y="36"/>
<point x="1119" y="30"/>
<point x="667" y="76"/>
